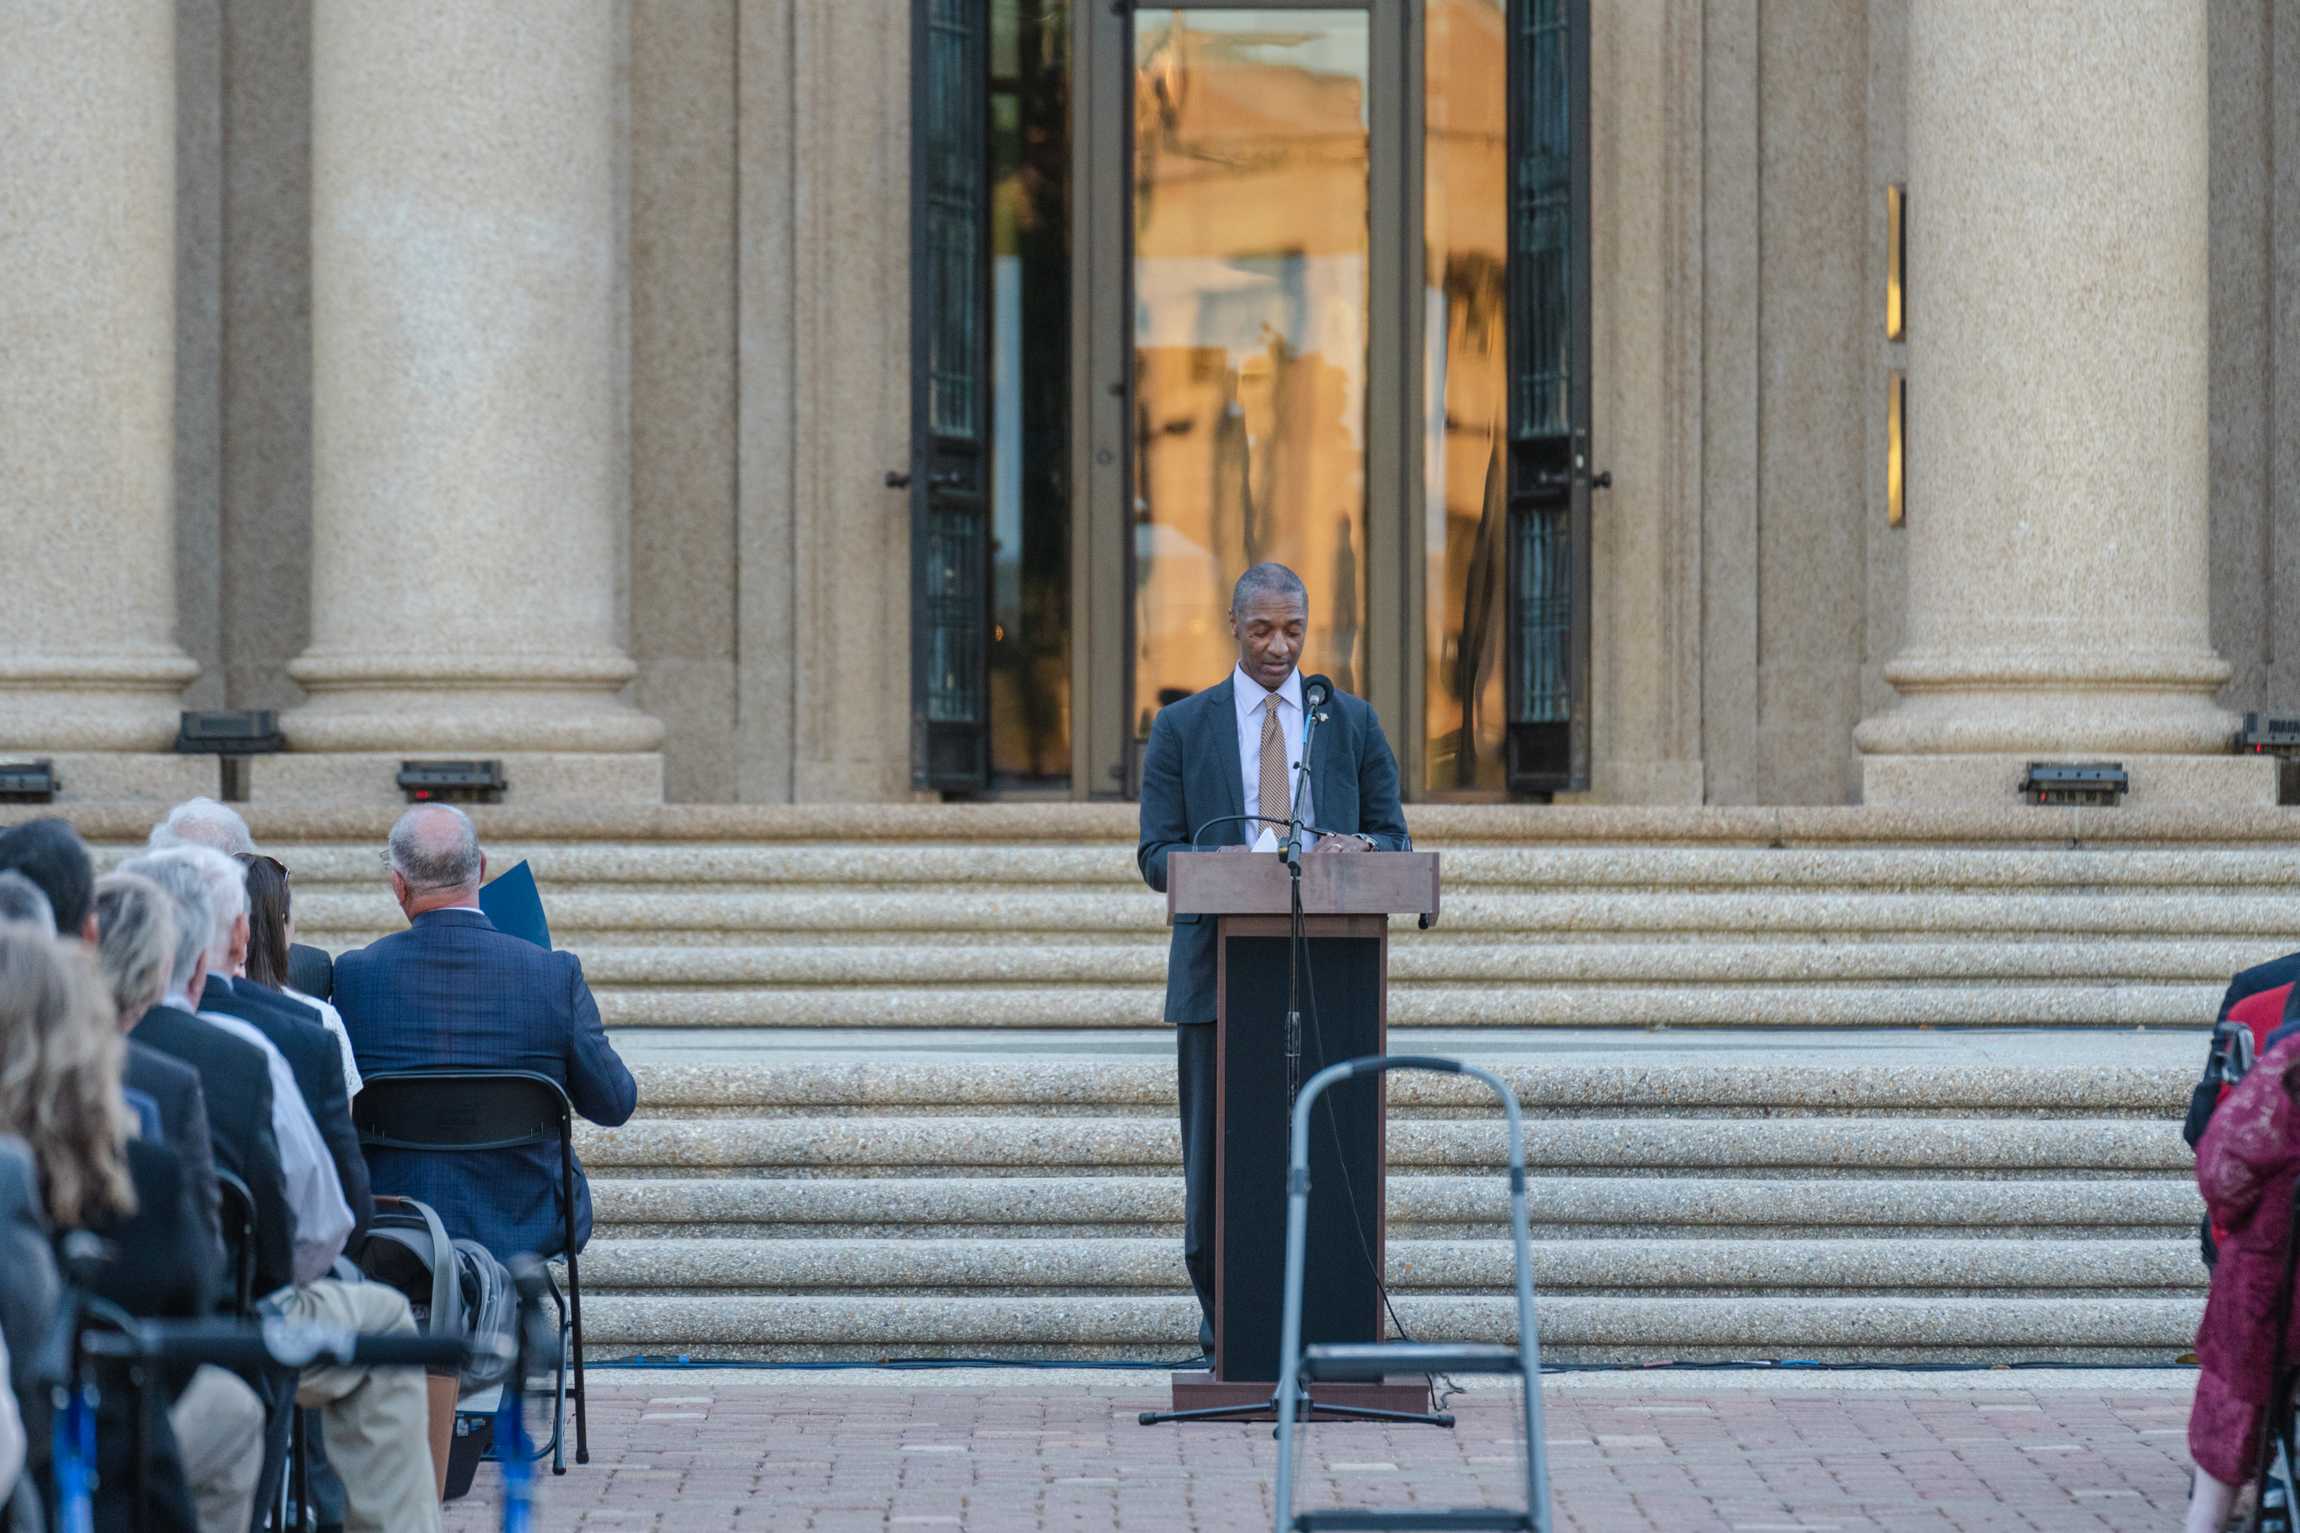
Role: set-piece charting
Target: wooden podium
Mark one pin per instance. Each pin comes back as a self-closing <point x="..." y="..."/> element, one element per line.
<point x="1347" y="899"/>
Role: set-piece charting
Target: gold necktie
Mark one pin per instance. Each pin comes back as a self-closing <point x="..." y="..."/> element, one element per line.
<point x="1275" y="797"/>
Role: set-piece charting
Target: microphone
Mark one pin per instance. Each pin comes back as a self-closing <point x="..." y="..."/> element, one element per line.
<point x="1317" y="691"/>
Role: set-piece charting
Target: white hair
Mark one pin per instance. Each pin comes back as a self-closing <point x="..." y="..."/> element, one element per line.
<point x="225" y="881"/>
<point x="435" y="846"/>
<point x="25" y="901"/>
<point x="203" y="822"/>
<point x="182" y="880"/>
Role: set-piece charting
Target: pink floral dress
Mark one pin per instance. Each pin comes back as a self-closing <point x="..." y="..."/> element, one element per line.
<point x="2246" y="1166"/>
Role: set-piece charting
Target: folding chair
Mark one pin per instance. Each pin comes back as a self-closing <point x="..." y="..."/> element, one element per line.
<point x="237" y="1211"/>
<point x="1375" y="1360"/>
<point x="459" y="1111"/>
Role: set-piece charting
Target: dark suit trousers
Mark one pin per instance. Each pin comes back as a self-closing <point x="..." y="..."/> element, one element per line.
<point x="1194" y="1081"/>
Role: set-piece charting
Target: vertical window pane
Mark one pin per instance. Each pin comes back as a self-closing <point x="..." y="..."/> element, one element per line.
<point x="1251" y="203"/>
<point x="1465" y="375"/>
<point x="1030" y="391"/>
<point x="953" y="103"/>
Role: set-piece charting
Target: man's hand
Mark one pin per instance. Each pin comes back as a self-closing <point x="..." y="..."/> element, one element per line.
<point x="1338" y="844"/>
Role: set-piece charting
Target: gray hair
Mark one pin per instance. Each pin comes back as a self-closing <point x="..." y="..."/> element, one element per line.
<point x="25" y="901"/>
<point x="1268" y="580"/>
<point x="435" y="846"/>
<point x="179" y="878"/>
<point x="140" y="949"/>
<point x="225" y="881"/>
<point x="203" y="822"/>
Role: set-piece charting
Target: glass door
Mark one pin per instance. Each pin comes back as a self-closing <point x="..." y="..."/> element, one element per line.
<point x="1251" y="188"/>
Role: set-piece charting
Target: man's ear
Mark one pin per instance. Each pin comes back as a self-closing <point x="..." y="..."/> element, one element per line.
<point x="398" y="888"/>
<point x="91" y="930"/>
<point x="483" y="867"/>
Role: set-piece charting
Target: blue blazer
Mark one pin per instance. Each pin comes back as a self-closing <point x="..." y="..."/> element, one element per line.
<point x="453" y="993"/>
<point x="1192" y="774"/>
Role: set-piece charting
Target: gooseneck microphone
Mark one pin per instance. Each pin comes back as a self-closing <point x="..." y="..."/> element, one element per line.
<point x="1317" y="691"/>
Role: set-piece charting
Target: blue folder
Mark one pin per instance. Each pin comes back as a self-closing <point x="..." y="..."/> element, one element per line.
<point x="515" y="905"/>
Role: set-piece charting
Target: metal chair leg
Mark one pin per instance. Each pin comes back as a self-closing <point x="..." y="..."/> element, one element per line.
<point x="582" y="1395"/>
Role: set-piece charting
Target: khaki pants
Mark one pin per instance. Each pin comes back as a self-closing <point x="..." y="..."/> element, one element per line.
<point x="375" y="1419"/>
<point x="219" y="1426"/>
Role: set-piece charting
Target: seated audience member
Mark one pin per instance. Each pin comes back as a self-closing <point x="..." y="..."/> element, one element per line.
<point x="21" y="901"/>
<point x="27" y="1307"/>
<point x="319" y="1151"/>
<point x="453" y="993"/>
<point x="204" y="822"/>
<point x="59" y="1093"/>
<point x="375" y="1420"/>
<point x="271" y="934"/>
<point x="235" y="1078"/>
<point x="51" y="854"/>
<point x="136" y="951"/>
<point x="316" y="1216"/>
<point x="2246" y="1166"/>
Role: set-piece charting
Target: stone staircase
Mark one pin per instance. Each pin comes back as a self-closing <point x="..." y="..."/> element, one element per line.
<point x="1833" y="1084"/>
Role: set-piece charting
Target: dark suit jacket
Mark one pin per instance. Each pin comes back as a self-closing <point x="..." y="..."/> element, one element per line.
<point x="175" y="1087"/>
<point x="316" y="1061"/>
<point x="311" y="971"/>
<point x="237" y="1083"/>
<point x="28" y="1297"/>
<point x="1192" y="774"/>
<point x="453" y="993"/>
<point x="157" y="1273"/>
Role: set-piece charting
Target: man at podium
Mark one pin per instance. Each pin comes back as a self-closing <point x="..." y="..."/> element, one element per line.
<point x="1223" y="773"/>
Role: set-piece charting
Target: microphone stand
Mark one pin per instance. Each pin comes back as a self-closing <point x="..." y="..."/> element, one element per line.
<point x="1298" y="945"/>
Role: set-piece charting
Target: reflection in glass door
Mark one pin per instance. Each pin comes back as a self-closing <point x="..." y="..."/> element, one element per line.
<point x="1250" y="167"/>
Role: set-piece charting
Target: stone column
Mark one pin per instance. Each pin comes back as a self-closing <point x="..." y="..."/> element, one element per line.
<point x="471" y="487"/>
<point x="2056" y="431"/>
<point x="90" y="672"/>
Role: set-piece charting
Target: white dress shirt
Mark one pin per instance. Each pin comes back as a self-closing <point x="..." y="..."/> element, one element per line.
<point x="1248" y="695"/>
<point x="314" y="1193"/>
<point x="332" y="1020"/>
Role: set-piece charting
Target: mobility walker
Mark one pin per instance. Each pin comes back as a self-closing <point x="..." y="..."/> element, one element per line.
<point x="1373" y="1360"/>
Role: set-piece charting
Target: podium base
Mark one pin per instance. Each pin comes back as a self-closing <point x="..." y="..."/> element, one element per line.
<point x="1196" y="1389"/>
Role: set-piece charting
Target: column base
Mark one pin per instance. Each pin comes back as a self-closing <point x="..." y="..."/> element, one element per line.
<point x="1980" y="781"/>
<point x="530" y="777"/>
<point x="112" y="777"/>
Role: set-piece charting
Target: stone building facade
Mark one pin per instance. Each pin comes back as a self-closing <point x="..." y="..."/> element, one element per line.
<point x="535" y="379"/>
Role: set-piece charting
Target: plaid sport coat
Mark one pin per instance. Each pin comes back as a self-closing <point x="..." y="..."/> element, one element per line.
<point x="453" y="993"/>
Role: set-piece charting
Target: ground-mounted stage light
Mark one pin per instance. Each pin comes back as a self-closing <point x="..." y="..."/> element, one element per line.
<point x="452" y="782"/>
<point x="2071" y="784"/>
<point x="29" y="782"/>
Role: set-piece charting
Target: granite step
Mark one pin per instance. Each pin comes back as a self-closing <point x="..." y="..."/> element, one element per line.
<point x="1420" y="960"/>
<point x="1608" y="1266"/>
<point x="655" y="916"/>
<point x="1834" y="1146"/>
<point x="1575" y="1328"/>
<point x="1583" y="1004"/>
<point x="1151" y="1206"/>
<point x="1468" y="865"/>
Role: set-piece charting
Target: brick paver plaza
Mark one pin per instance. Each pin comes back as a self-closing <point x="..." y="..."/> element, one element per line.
<point x="688" y="1452"/>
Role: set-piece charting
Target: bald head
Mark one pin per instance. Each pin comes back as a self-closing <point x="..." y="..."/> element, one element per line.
<point x="435" y="859"/>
